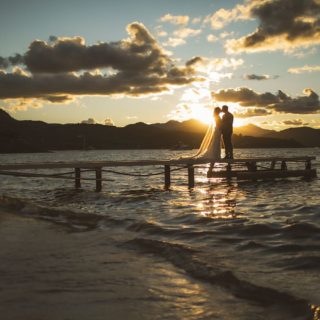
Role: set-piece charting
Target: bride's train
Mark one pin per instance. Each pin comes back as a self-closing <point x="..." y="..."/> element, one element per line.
<point x="210" y="148"/>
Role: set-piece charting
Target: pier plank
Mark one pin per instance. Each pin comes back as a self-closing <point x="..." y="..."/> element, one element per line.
<point x="102" y="164"/>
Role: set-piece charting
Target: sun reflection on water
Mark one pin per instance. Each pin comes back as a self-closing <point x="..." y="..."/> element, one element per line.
<point x="218" y="198"/>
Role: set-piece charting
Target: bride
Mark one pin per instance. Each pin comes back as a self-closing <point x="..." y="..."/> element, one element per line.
<point x="211" y="144"/>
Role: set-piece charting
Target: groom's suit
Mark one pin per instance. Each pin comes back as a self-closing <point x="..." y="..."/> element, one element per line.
<point x="227" y="129"/>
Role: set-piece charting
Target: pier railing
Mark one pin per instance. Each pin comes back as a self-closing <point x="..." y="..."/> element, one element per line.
<point x="247" y="168"/>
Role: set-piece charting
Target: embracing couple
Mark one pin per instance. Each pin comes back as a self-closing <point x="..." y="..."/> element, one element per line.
<point x="224" y="126"/>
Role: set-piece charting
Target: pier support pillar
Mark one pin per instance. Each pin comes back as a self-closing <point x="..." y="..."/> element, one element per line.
<point x="98" y="179"/>
<point x="167" y="177"/>
<point x="284" y="165"/>
<point x="190" y="176"/>
<point x="308" y="165"/>
<point x="77" y="173"/>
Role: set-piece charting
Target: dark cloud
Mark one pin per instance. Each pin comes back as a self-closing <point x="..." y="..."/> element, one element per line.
<point x="4" y="63"/>
<point x="245" y="97"/>
<point x="280" y="102"/>
<point x="295" y="122"/>
<point x="282" y="23"/>
<point x="60" y="87"/>
<point x="258" y="77"/>
<point x="137" y="66"/>
<point x="194" y="61"/>
<point x="140" y="53"/>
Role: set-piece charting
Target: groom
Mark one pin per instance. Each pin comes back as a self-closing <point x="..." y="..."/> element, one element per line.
<point x="226" y="130"/>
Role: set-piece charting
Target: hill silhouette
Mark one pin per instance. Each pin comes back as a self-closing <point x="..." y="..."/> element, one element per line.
<point x="308" y="137"/>
<point x="38" y="136"/>
<point x="253" y="131"/>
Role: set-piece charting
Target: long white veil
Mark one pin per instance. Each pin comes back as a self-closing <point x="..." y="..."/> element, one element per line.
<point x="203" y="151"/>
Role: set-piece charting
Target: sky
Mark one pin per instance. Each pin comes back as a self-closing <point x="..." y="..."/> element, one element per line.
<point x="121" y="62"/>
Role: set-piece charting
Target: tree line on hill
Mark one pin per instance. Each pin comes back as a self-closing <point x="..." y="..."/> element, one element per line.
<point x="38" y="136"/>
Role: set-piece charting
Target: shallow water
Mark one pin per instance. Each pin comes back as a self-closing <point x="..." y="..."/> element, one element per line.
<point x="226" y="249"/>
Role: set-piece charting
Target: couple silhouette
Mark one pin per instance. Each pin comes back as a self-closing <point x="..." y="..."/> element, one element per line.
<point x="210" y="148"/>
<point x="224" y="128"/>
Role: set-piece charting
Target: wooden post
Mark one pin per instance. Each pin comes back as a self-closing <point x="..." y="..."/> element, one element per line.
<point x="284" y="165"/>
<point x="167" y="178"/>
<point x="308" y="165"/>
<point x="98" y="179"/>
<point x="252" y="166"/>
<point x="190" y="176"/>
<point x="77" y="173"/>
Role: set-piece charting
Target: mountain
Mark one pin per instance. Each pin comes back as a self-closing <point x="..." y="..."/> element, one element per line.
<point x="38" y="136"/>
<point x="308" y="137"/>
<point x="191" y="125"/>
<point x="252" y="130"/>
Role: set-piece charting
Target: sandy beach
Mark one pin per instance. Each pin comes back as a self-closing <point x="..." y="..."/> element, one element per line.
<point x="48" y="272"/>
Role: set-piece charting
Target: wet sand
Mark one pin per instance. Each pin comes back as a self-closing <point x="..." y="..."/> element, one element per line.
<point x="53" y="271"/>
<point x="49" y="271"/>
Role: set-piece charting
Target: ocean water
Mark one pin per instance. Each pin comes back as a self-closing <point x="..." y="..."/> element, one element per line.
<point x="223" y="250"/>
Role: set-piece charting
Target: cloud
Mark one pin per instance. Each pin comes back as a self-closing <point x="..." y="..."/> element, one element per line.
<point x="89" y="121"/>
<point x="212" y="68"/>
<point x="20" y="104"/>
<point x="212" y="38"/>
<point x="196" y="20"/>
<point x="283" y="25"/>
<point x="258" y="77"/>
<point x="222" y="17"/>
<point x="177" y="20"/>
<point x="131" y="117"/>
<point x="304" y="69"/>
<point x="186" y="32"/>
<point x="162" y="33"/>
<point x="295" y="122"/>
<point x="59" y="55"/>
<point x="108" y="122"/>
<point x="65" y="67"/>
<point x="226" y="34"/>
<point x="280" y="102"/>
<point x="174" y="42"/>
<point x="222" y="63"/>
<point x="252" y="112"/>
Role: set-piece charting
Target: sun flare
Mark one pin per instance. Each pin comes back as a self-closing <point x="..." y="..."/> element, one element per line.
<point x="202" y="114"/>
<point x="205" y="115"/>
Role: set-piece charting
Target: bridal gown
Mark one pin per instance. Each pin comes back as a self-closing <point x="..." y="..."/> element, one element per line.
<point x="211" y="144"/>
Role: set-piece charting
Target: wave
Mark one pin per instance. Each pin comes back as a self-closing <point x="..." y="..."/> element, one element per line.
<point x="185" y="258"/>
<point x="75" y="219"/>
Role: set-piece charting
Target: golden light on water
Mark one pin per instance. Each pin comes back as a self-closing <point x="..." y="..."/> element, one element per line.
<point x="218" y="200"/>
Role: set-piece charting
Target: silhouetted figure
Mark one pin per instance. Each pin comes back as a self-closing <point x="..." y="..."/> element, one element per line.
<point x="227" y="129"/>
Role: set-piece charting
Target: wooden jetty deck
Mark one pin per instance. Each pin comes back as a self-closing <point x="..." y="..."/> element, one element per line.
<point x="247" y="168"/>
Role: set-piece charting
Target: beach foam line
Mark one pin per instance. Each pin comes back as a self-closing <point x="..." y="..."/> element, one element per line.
<point x="76" y="219"/>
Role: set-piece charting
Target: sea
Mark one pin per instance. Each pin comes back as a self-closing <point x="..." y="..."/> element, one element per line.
<point x="225" y="249"/>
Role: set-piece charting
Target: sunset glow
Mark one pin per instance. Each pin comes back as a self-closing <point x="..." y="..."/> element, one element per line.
<point x="164" y="62"/>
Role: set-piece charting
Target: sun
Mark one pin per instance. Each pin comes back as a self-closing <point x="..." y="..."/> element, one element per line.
<point x="202" y="114"/>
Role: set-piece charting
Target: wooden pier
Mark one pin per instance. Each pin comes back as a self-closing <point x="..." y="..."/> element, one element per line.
<point x="244" y="169"/>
